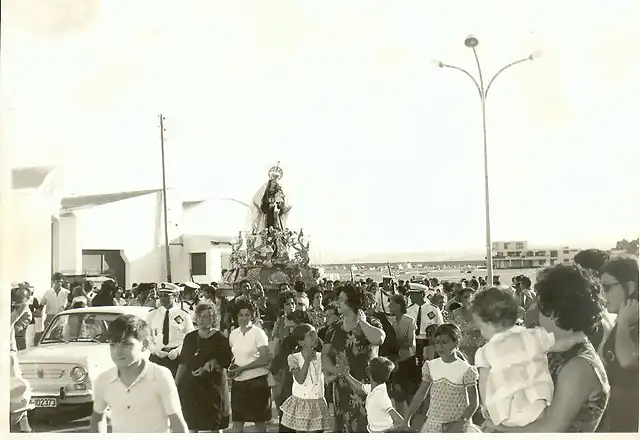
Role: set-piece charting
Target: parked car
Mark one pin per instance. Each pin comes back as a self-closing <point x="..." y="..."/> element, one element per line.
<point x="72" y="352"/>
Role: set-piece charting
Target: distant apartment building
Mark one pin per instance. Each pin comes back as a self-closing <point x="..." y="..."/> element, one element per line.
<point x="518" y="255"/>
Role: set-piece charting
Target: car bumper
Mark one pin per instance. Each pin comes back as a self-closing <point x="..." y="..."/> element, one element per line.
<point x="45" y="400"/>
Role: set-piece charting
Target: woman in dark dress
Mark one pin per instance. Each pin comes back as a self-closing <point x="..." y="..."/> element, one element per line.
<point x="570" y="306"/>
<point x="352" y="342"/>
<point x="620" y="351"/>
<point x="202" y="375"/>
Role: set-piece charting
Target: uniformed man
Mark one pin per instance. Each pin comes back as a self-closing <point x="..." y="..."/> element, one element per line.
<point x="168" y="324"/>
<point x="190" y="298"/>
<point x="424" y="314"/>
<point x="384" y="294"/>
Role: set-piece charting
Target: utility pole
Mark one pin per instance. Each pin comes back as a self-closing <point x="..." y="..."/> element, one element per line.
<point x="167" y="252"/>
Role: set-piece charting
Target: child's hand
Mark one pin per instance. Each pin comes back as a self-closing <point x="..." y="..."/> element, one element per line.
<point x="343" y="370"/>
<point x="309" y="355"/>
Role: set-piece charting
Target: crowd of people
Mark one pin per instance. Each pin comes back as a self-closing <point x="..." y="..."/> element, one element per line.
<point x="554" y="354"/>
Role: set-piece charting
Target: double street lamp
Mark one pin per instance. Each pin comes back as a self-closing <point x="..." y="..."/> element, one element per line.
<point x="472" y="43"/>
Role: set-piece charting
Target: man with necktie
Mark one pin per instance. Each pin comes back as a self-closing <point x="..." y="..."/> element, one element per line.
<point x="424" y="313"/>
<point x="384" y="294"/>
<point x="168" y="324"/>
<point x="190" y="298"/>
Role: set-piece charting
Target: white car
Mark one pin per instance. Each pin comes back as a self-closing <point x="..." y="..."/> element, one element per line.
<point x="72" y="352"/>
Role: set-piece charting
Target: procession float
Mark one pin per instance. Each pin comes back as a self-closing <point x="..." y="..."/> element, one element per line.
<point x="270" y="253"/>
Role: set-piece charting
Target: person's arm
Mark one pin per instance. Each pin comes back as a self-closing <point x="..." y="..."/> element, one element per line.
<point x="576" y="381"/>
<point x="398" y="420"/>
<point x="177" y="424"/>
<point x="469" y="411"/>
<point x="264" y="357"/>
<point x="182" y="370"/>
<point x="483" y="374"/>
<point x="168" y="393"/>
<point x="327" y="364"/>
<point x="356" y="385"/>
<point x="626" y="347"/>
<point x="374" y="335"/>
<point x="299" y="372"/>
<point x="417" y="400"/>
<point x="19" y="315"/>
<point x="98" y="423"/>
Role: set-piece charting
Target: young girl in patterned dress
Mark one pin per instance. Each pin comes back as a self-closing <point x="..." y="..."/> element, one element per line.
<point x="452" y="383"/>
<point x="306" y="410"/>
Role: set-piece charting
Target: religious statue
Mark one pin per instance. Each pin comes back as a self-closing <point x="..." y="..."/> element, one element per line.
<point x="270" y="209"/>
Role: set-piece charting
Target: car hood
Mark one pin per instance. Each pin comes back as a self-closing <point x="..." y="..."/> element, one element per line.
<point x="89" y="354"/>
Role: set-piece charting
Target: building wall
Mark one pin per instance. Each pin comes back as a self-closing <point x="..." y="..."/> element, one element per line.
<point x="135" y="227"/>
<point x="515" y="255"/>
<point x="26" y="247"/>
<point x="132" y="226"/>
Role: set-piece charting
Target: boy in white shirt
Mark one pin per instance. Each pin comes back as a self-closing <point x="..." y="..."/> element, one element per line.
<point x="381" y="415"/>
<point x="142" y="395"/>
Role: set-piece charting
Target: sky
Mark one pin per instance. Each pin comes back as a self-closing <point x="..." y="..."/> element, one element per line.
<point x="381" y="149"/>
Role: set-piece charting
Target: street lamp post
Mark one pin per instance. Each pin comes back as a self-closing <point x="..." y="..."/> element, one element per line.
<point x="472" y="43"/>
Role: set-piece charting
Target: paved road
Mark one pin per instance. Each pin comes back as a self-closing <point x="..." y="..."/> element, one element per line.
<point x="82" y="425"/>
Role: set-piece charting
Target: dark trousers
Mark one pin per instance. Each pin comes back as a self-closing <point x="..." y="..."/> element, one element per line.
<point x="172" y="365"/>
<point x="420" y="345"/>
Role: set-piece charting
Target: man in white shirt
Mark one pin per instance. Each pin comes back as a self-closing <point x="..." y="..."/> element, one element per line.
<point x="55" y="299"/>
<point x="168" y="324"/>
<point x="424" y="313"/>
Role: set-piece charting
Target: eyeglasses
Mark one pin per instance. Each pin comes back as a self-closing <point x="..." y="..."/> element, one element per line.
<point x="607" y="287"/>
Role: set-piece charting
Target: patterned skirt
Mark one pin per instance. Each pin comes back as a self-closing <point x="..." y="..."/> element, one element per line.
<point x="305" y="415"/>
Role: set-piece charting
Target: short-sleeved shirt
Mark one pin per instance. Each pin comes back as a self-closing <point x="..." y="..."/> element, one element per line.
<point x="180" y="324"/>
<point x="55" y="302"/>
<point x="245" y="350"/>
<point x="378" y="405"/>
<point x="143" y="407"/>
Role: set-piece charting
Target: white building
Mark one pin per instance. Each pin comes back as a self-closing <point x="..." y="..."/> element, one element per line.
<point x="124" y="233"/>
<point x="43" y="233"/>
<point x="518" y="255"/>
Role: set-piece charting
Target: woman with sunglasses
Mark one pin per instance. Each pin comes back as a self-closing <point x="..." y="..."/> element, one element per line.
<point x="570" y="305"/>
<point x="620" y="350"/>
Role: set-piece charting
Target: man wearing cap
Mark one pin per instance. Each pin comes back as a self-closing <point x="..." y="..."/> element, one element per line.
<point x="168" y="325"/>
<point x="55" y="299"/>
<point x="190" y="298"/>
<point x="424" y="314"/>
<point x="384" y="294"/>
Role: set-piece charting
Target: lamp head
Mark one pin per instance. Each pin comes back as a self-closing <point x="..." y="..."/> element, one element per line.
<point x="437" y="63"/>
<point x="535" y="55"/>
<point x="471" y="42"/>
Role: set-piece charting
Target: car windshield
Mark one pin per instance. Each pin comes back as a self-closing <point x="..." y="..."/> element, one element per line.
<point x="79" y="327"/>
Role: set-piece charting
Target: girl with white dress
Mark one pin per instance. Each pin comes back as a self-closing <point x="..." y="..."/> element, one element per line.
<point x="306" y="410"/>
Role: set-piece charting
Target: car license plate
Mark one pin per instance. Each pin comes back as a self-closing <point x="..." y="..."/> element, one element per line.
<point x="44" y="402"/>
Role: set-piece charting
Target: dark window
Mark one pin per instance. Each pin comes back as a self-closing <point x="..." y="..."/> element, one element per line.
<point x="554" y="253"/>
<point x="198" y="263"/>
